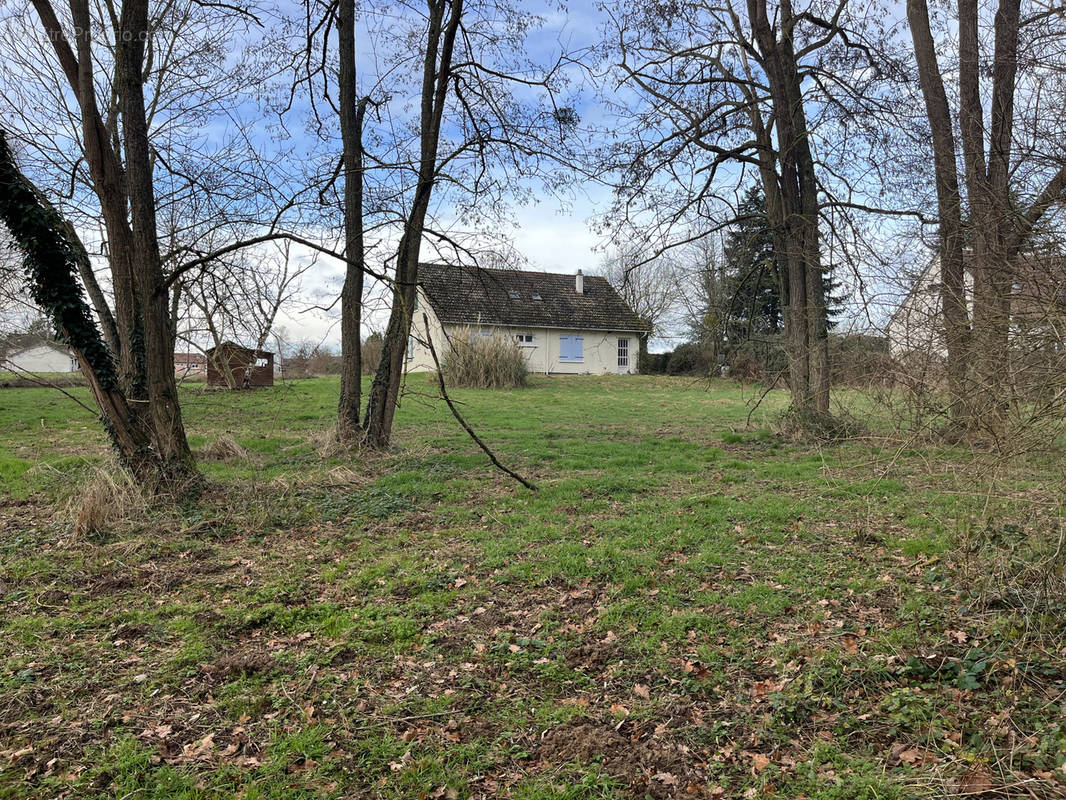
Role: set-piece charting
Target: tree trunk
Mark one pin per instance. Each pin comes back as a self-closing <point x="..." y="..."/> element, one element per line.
<point x="172" y="447"/>
<point x="956" y="317"/>
<point x="53" y="256"/>
<point x="127" y="203"/>
<point x="385" y="389"/>
<point x="351" y="121"/>
<point x="792" y="194"/>
<point x="108" y="179"/>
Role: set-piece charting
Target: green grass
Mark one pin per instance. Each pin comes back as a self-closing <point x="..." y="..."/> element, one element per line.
<point x="687" y="606"/>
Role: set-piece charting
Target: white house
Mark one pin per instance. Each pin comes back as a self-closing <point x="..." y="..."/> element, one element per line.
<point x="574" y="324"/>
<point x="916" y="326"/>
<point x="32" y="353"/>
<point x="1037" y="304"/>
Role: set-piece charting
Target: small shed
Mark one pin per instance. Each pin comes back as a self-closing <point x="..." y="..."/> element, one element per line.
<point x="233" y="366"/>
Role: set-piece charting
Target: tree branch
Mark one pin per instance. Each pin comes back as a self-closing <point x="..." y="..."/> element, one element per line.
<point x="459" y="417"/>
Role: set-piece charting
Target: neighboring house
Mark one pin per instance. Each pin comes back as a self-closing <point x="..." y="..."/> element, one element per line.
<point x="1037" y="307"/>
<point x="245" y="366"/>
<point x="186" y="364"/>
<point x="29" y="352"/>
<point x="573" y="324"/>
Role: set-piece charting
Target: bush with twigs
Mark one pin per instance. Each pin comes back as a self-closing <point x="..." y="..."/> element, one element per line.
<point x="483" y="362"/>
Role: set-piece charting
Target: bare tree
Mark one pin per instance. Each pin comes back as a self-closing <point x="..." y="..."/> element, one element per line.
<point x="651" y="288"/>
<point x="731" y="90"/>
<point x="432" y="141"/>
<point x="119" y="159"/>
<point x="239" y="298"/>
<point x="1012" y="176"/>
<point x="706" y="293"/>
<point x="442" y="27"/>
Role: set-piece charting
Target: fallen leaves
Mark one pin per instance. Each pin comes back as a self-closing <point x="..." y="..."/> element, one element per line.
<point x="202" y="750"/>
<point x="760" y="689"/>
<point x="901" y="753"/>
<point x="976" y="780"/>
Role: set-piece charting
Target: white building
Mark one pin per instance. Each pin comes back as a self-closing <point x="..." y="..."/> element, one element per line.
<point x="1037" y="306"/>
<point x="575" y="324"/>
<point x="32" y="353"/>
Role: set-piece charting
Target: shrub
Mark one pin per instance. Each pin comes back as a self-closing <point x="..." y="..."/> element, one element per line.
<point x="654" y="363"/>
<point x="861" y="360"/>
<point x="484" y="362"/>
<point x="372" y="347"/>
<point x="691" y="358"/>
<point x="746" y="368"/>
<point x="758" y="360"/>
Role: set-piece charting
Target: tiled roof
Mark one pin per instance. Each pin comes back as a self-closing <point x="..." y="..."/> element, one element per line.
<point x="472" y="296"/>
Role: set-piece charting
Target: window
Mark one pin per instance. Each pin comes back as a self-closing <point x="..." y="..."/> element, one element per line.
<point x="623" y="352"/>
<point x="416" y="302"/>
<point x="570" y="348"/>
<point x="512" y="294"/>
<point x="536" y="296"/>
<point x="261" y="361"/>
<point x="524" y="339"/>
<point x="410" y="348"/>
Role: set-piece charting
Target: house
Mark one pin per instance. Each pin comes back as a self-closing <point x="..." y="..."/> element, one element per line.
<point x="236" y="367"/>
<point x="574" y="324"/>
<point x="1037" y="307"/>
<point x="189" y="364"/>
<point x="31" y="352"/>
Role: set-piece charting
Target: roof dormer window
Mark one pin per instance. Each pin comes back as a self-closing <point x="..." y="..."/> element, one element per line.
<point x="512" y="294"/>
<point x="536" y="296"/>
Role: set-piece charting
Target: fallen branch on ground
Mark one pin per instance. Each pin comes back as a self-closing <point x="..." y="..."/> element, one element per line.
<point x="459" y="417"/>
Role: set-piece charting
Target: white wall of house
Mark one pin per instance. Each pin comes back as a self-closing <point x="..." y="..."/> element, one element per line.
<point x="41" y="358"/>
<point x="917" y="327"/>
<point x="552" y="350"/>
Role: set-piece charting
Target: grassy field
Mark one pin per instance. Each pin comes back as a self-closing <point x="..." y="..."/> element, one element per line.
<point x="688" y="607"/>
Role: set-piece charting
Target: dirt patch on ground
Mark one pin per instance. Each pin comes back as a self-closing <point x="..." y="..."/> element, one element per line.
<point x="581" y="741"/>
<point x="593" y="656"/>
<point x="237" y="663"/>
<point x="648" y="764"/>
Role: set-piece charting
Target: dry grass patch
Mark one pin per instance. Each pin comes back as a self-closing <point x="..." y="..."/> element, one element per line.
<point x="108" y="498"/>
<point x="225" y="448"/>
<point x="484" y="362"/>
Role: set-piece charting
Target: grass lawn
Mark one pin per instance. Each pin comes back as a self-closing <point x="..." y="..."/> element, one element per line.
<point x="688" y="607"/>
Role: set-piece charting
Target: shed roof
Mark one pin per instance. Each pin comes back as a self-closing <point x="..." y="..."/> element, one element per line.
<point x="232" y="347"/>
<point x="473" y="296"/>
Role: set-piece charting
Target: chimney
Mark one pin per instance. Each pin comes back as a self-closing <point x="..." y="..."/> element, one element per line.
<point x="579" y="283"/>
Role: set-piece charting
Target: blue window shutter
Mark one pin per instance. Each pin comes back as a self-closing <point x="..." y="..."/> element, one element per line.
<point x="564" y="348"/>
<point x="578" y="348"/>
